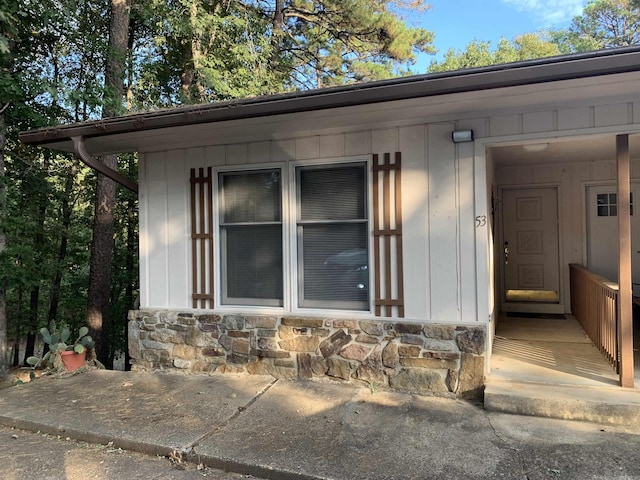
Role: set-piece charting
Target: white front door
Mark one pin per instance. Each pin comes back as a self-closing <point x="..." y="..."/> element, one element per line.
<point x="530" y="251"/>
<point x="602" y="233"/>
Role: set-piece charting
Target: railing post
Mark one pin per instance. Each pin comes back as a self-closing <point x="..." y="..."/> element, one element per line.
<point x="625" y="320"/>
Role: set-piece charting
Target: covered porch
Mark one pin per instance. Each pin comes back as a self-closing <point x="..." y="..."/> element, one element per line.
<point x="564" y="346"/>
<point x="546" y="365"/>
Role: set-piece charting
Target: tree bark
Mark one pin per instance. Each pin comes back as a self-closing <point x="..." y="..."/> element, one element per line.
<point x="62" y="251"/>
<point x="4" y="361"/>
<point x="38" y="246"/>
<point x="98" y="319"/>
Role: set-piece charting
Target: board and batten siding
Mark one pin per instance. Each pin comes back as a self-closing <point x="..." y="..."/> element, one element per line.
<point x="447" y="261"/>
<point x="437" y="200"/>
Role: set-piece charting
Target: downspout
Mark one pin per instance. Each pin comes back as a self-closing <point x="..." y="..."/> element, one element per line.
<point x="81" y="152"/>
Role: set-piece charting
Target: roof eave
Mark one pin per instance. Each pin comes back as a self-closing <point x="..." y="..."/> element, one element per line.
<point x="594" y="64"/>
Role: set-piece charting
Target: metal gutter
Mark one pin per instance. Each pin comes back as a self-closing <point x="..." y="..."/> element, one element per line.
<point x="81" y="152"/>
<point x="566" y="67"/>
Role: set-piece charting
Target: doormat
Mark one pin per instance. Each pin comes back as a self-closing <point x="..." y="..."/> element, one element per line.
<point x="545" y="316"/>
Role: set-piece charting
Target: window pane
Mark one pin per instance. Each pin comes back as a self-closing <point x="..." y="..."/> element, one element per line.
<point x="334" y="193"/>
<point x="253" y="263"/>
<point x="335" y="266"/>
<point x="250" y="196"/>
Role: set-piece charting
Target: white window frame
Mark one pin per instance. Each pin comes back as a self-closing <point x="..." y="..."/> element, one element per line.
<point x="289" y="198"/>
<point x="293" y="238"/>
<point x="225" y="303"/>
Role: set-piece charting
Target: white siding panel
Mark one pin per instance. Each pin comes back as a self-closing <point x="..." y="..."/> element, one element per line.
<point x="210" y="156"/>
<point x="331" y="146"/>
<point x="537" y="122"/>
<point x="283" y="150"/>
<point x="525" y="175"/>
<point x="603" y="170"/>
<point x="237" y="154"/>
<point x="486" y="289"/>
<point x="157" y="253"/>
<point x="143" y="235"/>
<point x="177" y="227"/>
<point x="443" y="224"/>
<point x="307" y="148"/>
<point x="478" y="125"/>
<point x="259" y="152"/>
<point x="574" y="118"/>
<point x="466" y="229"/>
<point x="546" y="174"/>
<point x="384" y="141"/>
<point x="608" y="115"/>
<point x="504" y="125"/>
<point x="358" y="143"/>
<point x="635" y="167"/>
<point x="415" y="238"/>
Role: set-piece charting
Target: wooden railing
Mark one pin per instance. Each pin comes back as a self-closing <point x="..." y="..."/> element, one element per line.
<point x="594" y="303"/>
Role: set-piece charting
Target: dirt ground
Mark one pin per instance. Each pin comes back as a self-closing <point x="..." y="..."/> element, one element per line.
<point x="34" y="455"/>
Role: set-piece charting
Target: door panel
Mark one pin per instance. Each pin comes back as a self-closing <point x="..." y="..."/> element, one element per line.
<point x="602" y="233"/>
<point x="530" y="248"/>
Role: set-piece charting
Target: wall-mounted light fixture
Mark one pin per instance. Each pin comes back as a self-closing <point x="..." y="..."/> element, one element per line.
<point x="535" y="147"/>
<point x="462" y="136"/>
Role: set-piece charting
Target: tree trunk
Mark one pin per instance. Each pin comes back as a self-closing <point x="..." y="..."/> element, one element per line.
<point x="276" y="34"/>
<point x="4" y="361"/>
<point x="98" y="319"/>
<point x="34" y="300"/>
<point x="16" y="342"/>
<point x="62" y="251"/>
<point x="38" y="245"/>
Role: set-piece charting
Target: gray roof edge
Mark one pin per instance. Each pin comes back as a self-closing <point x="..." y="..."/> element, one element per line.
<point x="565" y="67"/>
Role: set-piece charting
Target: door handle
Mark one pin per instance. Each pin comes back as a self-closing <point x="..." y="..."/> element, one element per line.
<point x="506" y="253"/>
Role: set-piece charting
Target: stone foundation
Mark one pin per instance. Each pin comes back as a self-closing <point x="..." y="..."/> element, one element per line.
<point x="421" y="358"/>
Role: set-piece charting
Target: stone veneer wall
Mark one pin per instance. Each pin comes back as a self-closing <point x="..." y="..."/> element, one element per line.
<point x="421" y="358"/>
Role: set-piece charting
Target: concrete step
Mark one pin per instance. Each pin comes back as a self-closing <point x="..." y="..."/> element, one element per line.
<point x="607" y="405"/>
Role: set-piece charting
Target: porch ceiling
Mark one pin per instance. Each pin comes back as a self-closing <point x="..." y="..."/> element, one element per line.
<point x="581" y="149"/>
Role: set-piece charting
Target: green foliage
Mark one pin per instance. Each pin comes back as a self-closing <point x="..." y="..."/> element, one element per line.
<point x="198" y="51"/>
<point x="479" y="54"/>
<point x="602" y="24"/>
<point x="52" y="62"/>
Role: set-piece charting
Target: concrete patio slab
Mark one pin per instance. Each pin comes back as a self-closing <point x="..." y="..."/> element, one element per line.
<point x="152" y="413"/>
<point x="324" y="430"/>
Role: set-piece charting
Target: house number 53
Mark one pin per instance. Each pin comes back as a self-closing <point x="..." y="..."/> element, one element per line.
<point x="481" y="221"/>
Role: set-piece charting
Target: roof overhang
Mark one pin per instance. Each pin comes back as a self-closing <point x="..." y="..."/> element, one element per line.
<point x="553" y="69"/>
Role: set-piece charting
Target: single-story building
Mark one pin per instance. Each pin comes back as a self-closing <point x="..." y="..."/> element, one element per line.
<point x="375" y="231"/>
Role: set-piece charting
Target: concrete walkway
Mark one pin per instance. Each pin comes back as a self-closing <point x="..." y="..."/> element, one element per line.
<point x="550" y="368"/>
<point x="309" y="430"/>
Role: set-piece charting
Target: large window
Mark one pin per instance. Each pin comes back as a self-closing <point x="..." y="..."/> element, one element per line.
<point x="251" y="237"/>
<point x="332" y="237"/>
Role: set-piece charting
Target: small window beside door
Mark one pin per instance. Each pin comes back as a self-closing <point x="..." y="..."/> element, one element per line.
<point x="608" y="204"/>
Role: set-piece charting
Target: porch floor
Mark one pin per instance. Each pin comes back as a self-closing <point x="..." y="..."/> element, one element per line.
<point x="549" y="367"/>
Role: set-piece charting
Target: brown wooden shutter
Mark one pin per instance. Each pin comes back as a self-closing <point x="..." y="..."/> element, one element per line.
<point x="202" y="237"/>
<point x="387" y="231"/>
